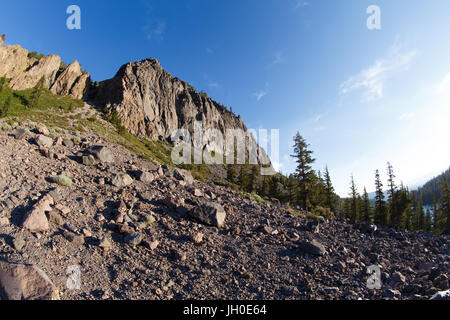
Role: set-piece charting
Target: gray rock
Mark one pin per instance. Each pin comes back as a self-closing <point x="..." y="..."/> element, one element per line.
<point x="43" y="141"/>
<point x="74" y="238"/>
<point x="105" y="244"/>
<point x="146" y="177"/>
<point x="183" y="175"/>
<point x="88" y="160"/>
<point x="312" y="247"/>
<point x="209" y="213"/>
<point x="313" y="226"/>
<point x="390" y="293"/>
<point x="20" y="133"/>
<point x="19" y="243"/>
<point x="368" y="227"/>
<point x="68" y="143"/>
<point x="101" y="153"/>
<point x="54" y="193"/>
<point x="397" y="279"/>
<point x="121" y="180"/>
<point x="133" y="239"/>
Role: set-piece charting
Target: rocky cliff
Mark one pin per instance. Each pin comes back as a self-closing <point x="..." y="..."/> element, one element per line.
<point x="150" y="103"/>
<point x="25" y="70"/>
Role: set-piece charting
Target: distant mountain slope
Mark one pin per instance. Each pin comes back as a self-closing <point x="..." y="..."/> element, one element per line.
<point x="432" y="189"/>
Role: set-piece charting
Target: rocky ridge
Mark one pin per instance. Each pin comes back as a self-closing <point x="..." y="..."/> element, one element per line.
<point x="25" y="71"/>
<point x="149" y="102"/>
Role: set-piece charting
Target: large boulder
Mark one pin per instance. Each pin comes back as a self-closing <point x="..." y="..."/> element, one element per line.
<point x="43" y="141"/>
<point x="36" y="220"/>
<point x="183" y="175"/>
<point x="312" y="247"/>
<point x="101" y="153"/>
<point x="209" y="213"/>
<point x="441" y="295"/>
<point x="25" y="282"/>
<point x="121" y="180"/>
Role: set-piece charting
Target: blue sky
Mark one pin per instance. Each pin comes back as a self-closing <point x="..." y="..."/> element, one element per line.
<point x="360" y="97"/>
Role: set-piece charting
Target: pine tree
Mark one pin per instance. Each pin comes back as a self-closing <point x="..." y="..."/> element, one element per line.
<point x="392" y="205"/>
<point x="330" y="198"/>
<point x="264" y="187"/>
<point x="304" y="172"/>
<point x="6" y="107"/>
<point x="366" y="207"/>
<point x="274" y="184"/>
<point x="231" y="173"/>
<point x="253" y="179"/>
<point x="444" y="206"/>
<point x="428" y="222"/>
<point x="403" y="209"/>
<point x="380" y="214"/>
<point x="36" y="93"/>
<point x="292" y="189"/>
<point x="418" y="217"/>
<point x="354" y="207"/>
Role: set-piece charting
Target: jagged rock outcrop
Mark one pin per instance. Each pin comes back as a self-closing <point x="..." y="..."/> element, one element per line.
<point x="46" y="67"/>
<point x="67" y="79"/>
<point x="150" y="103"/>
<point x="25" y="71"/>
<point x="81" y="87"/>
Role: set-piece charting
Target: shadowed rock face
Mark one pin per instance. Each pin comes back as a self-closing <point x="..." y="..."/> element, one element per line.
<point x="151" y="103"/>
<point x="67" y="79"/>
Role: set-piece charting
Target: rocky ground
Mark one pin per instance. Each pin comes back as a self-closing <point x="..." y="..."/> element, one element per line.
<point x="140" y="231"/>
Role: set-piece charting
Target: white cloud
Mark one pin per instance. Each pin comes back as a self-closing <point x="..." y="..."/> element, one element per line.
<point x="213" y="84"/>
<point x="209" y="51"/>
<point x="259" y="95"/>
<point x="372" y="80"/>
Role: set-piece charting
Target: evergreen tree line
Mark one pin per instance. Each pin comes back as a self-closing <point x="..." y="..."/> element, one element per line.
<point x="402" y="209"/>
<point x="431" y="190"/>
<point x="310" y="190"/>
<point x="306" y="189"/>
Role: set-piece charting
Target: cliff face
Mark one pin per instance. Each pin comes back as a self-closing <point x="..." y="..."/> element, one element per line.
<point x="151" y="103"/>
<point x="25" y="71"/>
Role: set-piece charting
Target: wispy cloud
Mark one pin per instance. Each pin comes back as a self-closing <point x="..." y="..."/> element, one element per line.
<point x="300" y="4"/>
<point x="278" y="58"/>
<point x="259" y="95"/>
<point x="213" y="84"/>
<point x="372" y="80"/>
<point x="209" y="51"/>
<point x="155" y="29"/>
<point x="154" y="26"/>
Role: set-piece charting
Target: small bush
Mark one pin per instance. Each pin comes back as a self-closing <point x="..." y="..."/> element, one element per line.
<point x="64" y="181"/>
<point x="323" y="212"/>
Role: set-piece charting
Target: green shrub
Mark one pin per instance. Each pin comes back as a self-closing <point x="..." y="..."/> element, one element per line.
<point x="323" y="212"/>
<point x="64" y="181"/>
